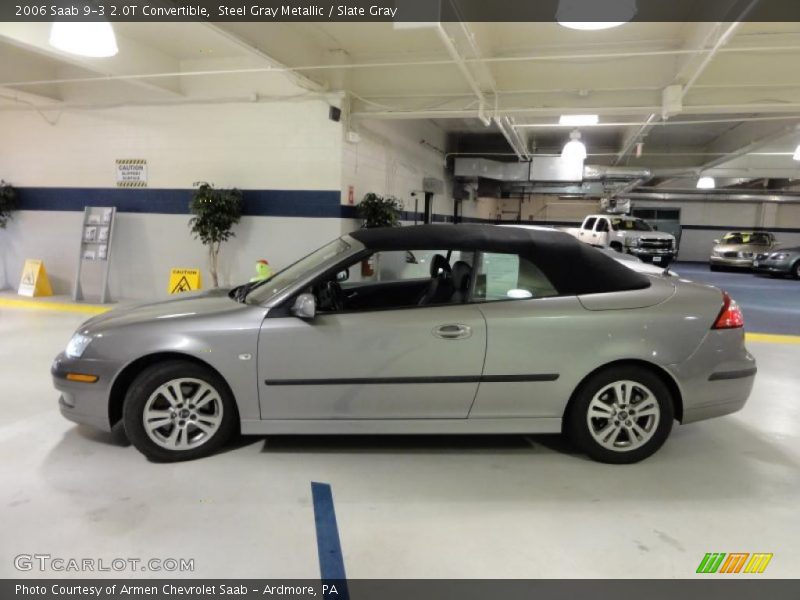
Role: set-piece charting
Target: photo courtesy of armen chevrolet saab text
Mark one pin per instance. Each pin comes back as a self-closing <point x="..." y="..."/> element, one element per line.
<point x="431" y="329"/>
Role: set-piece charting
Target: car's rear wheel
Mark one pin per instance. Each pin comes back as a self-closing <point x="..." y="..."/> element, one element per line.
<point x="714" y="267"/>
<point x="621" y="415"/>
<point x="178" y="411"/>
<point x="796" y="270"/>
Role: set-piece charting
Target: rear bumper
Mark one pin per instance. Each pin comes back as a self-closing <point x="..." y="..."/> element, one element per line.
<point x="718" y="378"/>
<point x="85" y="403"/>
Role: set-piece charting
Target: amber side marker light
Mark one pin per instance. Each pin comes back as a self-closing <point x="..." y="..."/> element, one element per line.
<point x="82" y="378"/>
<point x="730" y="317"/>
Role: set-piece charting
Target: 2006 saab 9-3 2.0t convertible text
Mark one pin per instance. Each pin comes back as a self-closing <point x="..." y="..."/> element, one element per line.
<point x="433" y="329"/>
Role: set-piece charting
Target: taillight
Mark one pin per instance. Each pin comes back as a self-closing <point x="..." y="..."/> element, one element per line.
<point x="730" y="317"/>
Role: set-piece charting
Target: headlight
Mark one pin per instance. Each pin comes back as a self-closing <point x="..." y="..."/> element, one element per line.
<point x="77" y="345"/>
<point x="779" y="256"/>
<point x="634" y="242"/>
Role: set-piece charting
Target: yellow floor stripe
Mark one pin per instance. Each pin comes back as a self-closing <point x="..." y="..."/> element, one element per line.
<point x="90" y="309"/>
<point x="771" y="338"/>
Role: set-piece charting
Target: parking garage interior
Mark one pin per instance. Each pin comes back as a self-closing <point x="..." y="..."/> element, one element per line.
<point x="693" y="127"/>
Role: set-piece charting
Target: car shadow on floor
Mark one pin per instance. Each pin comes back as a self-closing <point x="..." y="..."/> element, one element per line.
<point x="418" y="444"/>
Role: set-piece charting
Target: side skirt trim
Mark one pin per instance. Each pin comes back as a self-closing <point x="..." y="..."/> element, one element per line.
<point x="401" y="426"/>
<point x="416" y="380"/>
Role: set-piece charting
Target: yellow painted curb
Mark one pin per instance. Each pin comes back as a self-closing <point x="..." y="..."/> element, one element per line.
<point x="58" y="306"/>
<point x="771" y="338"/>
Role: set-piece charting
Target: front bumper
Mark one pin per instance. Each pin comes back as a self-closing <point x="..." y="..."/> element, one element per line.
<point x="85" y="403"/>
<point x="772" y="266"/>
<point x="722" y="261"/>
<point x="658" y="257"/>
<point x="718" y="378"/>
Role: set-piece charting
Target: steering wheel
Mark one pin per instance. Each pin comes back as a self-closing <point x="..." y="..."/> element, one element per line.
<point x="331" y="296"/>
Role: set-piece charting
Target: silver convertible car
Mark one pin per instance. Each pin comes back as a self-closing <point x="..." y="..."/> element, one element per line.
<point x="433" y="329"/>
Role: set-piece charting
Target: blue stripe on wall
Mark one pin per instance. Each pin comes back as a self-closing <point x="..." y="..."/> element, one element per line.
<point x="272" y="203"/>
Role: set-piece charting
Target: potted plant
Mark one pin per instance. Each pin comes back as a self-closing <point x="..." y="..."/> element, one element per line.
<point x="377" y="211"/>
<point x="8" y="202"/>
<point x="215" y="212"/>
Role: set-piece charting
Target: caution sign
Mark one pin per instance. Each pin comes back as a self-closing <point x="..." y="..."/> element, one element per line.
<point x="131" y="172"/>
<point x="184" y="280"/>
<point x="34" y="280"/>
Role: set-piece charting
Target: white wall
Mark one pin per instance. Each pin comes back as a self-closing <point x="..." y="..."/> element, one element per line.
<point x="390" y="160"/>
<point x="281" y="145"/>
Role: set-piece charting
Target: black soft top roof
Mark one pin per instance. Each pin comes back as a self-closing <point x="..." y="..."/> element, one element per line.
<point x="571" y="266"/>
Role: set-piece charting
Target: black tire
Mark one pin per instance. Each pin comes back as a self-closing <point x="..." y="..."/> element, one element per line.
<point x="577" y="422"/>
<point x="714" y="267"/>
<point x="796" y="270"/>
<point x="147" y="384"/>
<point x="616" y="247"/>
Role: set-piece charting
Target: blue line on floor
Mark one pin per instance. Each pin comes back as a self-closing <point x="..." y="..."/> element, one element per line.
<point x="331" y="561"/>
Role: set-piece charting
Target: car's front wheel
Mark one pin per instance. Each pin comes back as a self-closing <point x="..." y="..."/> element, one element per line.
<point x="178" y="410"/>
<point x="621" y="415"/>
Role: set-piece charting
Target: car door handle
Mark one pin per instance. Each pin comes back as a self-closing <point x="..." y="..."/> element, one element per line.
<point x="453" y="331"/>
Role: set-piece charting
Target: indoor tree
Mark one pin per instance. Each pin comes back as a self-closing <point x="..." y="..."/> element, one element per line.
<point x="8" y="202"/>
<point x="215" y="212"/>
<point x="377" y="211"/>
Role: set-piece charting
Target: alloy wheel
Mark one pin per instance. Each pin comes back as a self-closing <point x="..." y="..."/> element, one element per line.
<point x="623" y="416"/>
<point x="182" y="414"/>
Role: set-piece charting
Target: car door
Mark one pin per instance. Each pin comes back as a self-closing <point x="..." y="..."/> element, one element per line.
<point x="600" y="235"/>
<point x="417" y="362"/>
<point x="586" y="229"/>
<point x="526" y="359"/>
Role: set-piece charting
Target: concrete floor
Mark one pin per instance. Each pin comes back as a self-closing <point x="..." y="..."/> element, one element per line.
<point x="467" y="507"/>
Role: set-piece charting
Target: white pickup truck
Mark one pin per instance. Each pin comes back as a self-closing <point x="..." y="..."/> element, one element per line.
<point x="627" y="234"/>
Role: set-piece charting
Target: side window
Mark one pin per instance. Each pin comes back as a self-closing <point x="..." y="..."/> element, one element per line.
<point x="589" y="224"/>
<point x="602" y="225"/>
<point x="509" y="277"/>
<point x="403" y="265"/>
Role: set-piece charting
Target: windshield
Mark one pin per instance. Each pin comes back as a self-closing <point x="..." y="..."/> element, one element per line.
<point x="630" y="225"/>
<point x="760" y="239"/>
<point x="291" y="274"/>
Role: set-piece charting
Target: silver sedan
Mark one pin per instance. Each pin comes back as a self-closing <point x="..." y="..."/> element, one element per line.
<point x="444" y="329"/>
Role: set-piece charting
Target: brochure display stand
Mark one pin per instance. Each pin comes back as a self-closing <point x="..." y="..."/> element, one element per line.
<point x="97" y="233"/>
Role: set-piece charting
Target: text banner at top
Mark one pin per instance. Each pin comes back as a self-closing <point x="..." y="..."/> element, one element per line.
<point x="401" y="11"/>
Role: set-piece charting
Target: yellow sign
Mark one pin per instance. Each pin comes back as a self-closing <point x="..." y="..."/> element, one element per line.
<point x="184" y="280"/>
<point x="34" y="280"/>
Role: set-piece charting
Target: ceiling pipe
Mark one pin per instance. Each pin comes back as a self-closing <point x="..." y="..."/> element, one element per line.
<point x="715" y="196"/>
<point x="462" y="66"/>
<point x="718" y="45"/>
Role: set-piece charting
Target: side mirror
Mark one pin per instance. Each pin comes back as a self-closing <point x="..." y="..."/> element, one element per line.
<point x="343" y="275"/>
<point x="410" y="258"/>
<point x="305" y="306"/>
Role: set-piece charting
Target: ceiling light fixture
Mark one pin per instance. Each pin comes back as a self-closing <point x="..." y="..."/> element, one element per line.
<point x="706" y="183"/>
<point x="95" y="40"/>
<point x="618" y="12"/>
<point x="797" y="154"/>
<point x="579" y="120"/>
<point x="574" y="150"/>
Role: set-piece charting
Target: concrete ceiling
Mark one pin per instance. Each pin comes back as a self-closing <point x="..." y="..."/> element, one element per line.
<point x="737" y="83"/>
